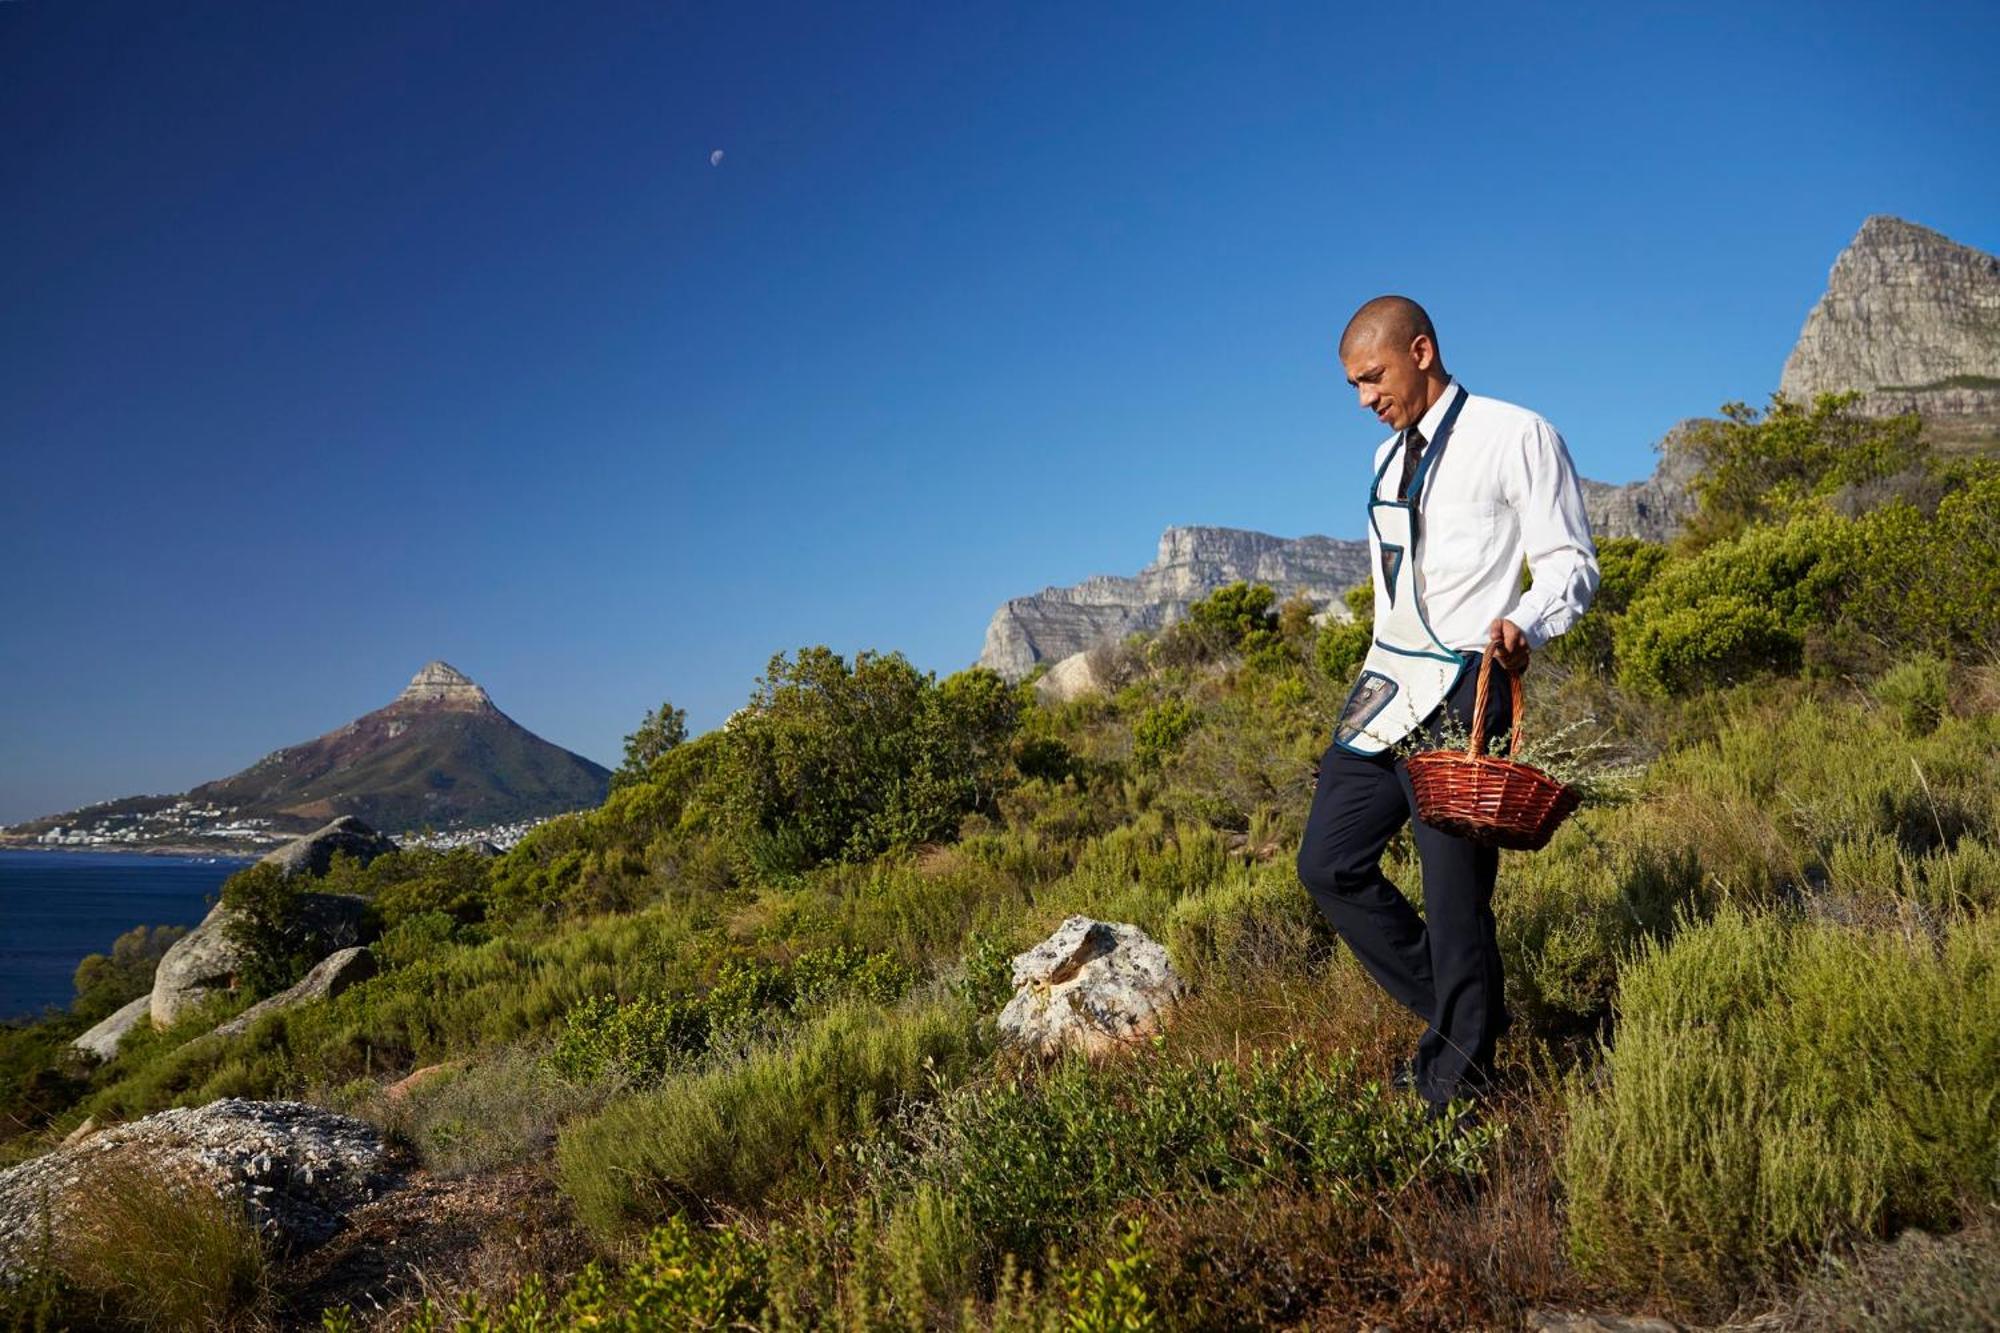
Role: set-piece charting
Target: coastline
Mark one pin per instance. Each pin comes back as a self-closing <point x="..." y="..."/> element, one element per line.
<point x="210" y="851"/>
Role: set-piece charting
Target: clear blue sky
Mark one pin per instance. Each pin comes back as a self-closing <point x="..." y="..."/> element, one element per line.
<point x="338" y="337"/>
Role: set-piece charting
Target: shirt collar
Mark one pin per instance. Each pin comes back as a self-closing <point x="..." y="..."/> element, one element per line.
<point x="1428" y="425"/>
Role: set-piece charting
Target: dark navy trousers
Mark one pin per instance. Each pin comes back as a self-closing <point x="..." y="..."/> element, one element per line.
<point x="1444" y="966"/>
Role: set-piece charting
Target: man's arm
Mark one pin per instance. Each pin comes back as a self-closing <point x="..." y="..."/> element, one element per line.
<point x="1555" y="532"/>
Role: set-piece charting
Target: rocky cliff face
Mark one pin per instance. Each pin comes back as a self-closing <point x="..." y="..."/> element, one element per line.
<point x="1912" y="319"/>
<point x="1192" y="563"/>
<point x="1653" y="509"/>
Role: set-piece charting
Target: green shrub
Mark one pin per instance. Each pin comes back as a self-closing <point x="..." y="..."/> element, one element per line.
<point x="1241" y="616"/>
<point x="1253" y="923"/>
<point x="732" y="1134"/>
<point x="1756" y="467"/>
<point x="642" y="1040"/>
<point x="1918" y="690"/>
<point x="1340" y="648"/>
<point x="1719" y="641"/>
<point x="1044" y="1162"/>
<point x="832" y="762"/>
<point x="502" y="1109"/>
<point x="661" y="730"/>
<point x="1778" y="1086"/>
<point x="1626" y="566"/>
<point x="1161" y="729"/>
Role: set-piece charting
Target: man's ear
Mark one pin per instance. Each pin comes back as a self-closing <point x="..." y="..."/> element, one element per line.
<point x="1423" y="351"/>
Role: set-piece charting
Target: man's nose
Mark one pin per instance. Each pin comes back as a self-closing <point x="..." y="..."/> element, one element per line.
<point x="1368" y="395"/>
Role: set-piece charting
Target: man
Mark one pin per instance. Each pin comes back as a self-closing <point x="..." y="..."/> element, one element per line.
<point x="1466" y="490"/>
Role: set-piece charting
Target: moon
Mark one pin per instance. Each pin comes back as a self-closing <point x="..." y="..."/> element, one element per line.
<point x="715" y="158"/>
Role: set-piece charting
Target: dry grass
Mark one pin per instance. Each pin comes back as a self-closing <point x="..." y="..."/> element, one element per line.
<point x="141" y="1250"/>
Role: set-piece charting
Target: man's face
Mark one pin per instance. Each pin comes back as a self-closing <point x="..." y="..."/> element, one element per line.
<point x="1390" y="378"/>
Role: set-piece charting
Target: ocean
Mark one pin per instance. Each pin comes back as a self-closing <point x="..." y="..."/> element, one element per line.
<point x="55" y="907"/>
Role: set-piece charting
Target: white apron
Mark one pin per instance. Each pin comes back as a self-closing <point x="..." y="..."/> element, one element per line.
<point x="1408" y="671"/>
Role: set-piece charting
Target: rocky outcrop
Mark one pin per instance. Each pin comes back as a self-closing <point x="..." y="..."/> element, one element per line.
<point x="1192" y="562"/>
<point x="1653" y="509"/>
<point x="206" y="960"/>
<point x="313" y="854"/>
<point x="1912" y="319"/>
<point x="297" y="1170"/>
<point x="329" y="977"/>
<point x="101" y="1042"/>
<point x="1093" y="986"/>
<point x="443" y="684"/>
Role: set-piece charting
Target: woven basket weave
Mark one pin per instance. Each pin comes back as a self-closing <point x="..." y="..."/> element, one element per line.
<point x="1484" y="798"/>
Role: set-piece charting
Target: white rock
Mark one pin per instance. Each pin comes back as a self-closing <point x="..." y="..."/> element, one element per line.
<point x="101" y="1042"/>
<point x="1092" y="986"/>
<point x="1069" y="679"/>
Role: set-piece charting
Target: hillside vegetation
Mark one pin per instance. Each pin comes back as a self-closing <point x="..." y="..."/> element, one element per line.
<point x="741" y="1015"/>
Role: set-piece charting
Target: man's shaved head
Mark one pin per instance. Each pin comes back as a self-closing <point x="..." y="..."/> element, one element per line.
<point x="1390" y="353"/>
<point x="1393" y="321"/>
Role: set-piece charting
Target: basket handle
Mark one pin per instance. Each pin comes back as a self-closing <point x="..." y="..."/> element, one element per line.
<point x="1477" y="745"/>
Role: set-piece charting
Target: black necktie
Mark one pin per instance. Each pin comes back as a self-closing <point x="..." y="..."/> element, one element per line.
<point x="1413" y="450"/>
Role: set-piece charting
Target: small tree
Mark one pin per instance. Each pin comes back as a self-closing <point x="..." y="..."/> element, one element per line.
<point x="660" y="731"/>
<point x="1757" y="466"/>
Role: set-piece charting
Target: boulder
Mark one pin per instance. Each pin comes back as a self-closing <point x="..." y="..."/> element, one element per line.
<point x="101" y="1042"/>
<point x="1092" y="986"/>
<point x="329" y="977"/>
<point x="296" y="1169"/>
<point x="1071" y="678"/>
<point x="206" y="960"/>
<point x="313" y="854"/>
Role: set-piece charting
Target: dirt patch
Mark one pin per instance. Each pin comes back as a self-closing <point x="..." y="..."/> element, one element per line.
<point x="436" y="1238"/>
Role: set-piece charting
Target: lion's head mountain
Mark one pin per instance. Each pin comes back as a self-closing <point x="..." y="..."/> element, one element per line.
<point x="438" y="756"/>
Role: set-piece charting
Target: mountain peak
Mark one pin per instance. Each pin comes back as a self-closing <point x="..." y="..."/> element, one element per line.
<point x="1911" y="318"/>
<point x="442" y="683"/>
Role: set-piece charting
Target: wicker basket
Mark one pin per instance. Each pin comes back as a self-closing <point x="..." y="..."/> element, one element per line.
<point x="1484" y="798"/>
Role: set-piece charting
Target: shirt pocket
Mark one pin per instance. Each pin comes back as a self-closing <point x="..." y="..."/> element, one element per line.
<point x="1460" y="538"/>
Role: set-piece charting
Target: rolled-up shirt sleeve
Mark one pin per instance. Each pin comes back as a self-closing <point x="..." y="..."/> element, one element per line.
<point x="1542" y="487"/>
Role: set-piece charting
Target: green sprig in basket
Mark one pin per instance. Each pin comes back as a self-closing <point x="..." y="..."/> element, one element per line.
<point x="1489" y="800"/>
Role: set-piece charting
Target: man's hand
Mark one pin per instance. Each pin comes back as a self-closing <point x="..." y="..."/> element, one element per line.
<point x="1510" y="646"/>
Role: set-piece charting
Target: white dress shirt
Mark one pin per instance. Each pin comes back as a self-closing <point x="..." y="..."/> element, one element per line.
<point x="1503" y="491"/>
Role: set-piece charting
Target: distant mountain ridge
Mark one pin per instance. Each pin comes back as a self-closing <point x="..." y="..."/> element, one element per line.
<point x="1191" y="563"/>
<point x="1909" y="317"/>
<point x="439" y="755"/>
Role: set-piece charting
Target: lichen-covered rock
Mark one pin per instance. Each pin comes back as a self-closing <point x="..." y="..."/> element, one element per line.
<point x="101" y="1042"/>
<point x="1092" y="986"/>
<point x="206" y="960"/>
<point x="298" y="1170"/>
<point x="329" y="977"/>
<point x="313" y="854"/>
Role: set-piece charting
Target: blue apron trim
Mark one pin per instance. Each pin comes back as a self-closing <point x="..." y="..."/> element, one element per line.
<point x="1445" y="656"/>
